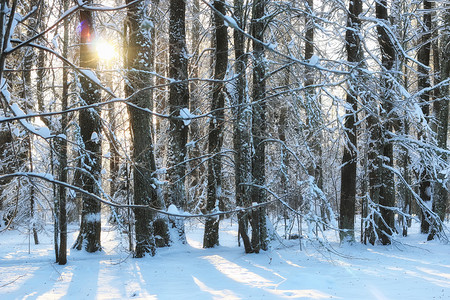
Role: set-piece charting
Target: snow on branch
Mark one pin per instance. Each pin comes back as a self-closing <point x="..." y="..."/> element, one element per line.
<point x="41" y="131"/>
<point x="271" y="47"/>
<point x="80" y="5"/>
<point x="49" y="178"/>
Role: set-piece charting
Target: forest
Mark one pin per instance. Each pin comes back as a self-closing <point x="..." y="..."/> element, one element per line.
<point x="292" y="119"/>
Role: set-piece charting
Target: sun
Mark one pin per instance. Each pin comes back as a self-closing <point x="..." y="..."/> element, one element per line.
<point x="105" y="50"/>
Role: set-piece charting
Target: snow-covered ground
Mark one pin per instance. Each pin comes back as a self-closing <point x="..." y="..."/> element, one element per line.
<point x="409" y="269"/>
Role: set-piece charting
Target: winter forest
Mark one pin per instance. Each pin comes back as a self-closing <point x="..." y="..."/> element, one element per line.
<point x="264" y="136"/>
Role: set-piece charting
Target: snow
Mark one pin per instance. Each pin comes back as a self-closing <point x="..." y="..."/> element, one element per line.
<point x="91" y="76"/>
<point x="92" y="218"/>
<point x="412" y="269"/>
<point x="172" y="209"/>
<point x="41" y="131"/>
<point x="314" y="60"/>
<point x="230" y="22"/>
<point x="4" y="90"/>
<point x="47" y="176"/>
<point x="55" y="41"/>
<point x="186" y="116"/>
<point x="94" y="137"/>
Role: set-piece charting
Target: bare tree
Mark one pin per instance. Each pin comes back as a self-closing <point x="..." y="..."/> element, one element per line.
<point x="423" y="56"/>
<point x="216" y="124"/>
<point x="349" y="160"/>
<point x="144" y="178"/>
<point x="388" y="60"/>
<point x="258" y="195"/>
<point x="90" y="129"/>
<point x="242" y="120"/>
<point x="440" y="108"/>
<point x="61" y="146"/>
<point x="178" y="108"/>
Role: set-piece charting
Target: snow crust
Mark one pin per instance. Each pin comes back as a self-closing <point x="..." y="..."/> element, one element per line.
<point x="411" y="269"/>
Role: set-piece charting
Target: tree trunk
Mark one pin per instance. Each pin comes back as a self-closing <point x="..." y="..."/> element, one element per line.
<point x="90" y="127"/>
<point x="404" y="192"/>
<point x="441" y="111"/>
<point x="28" y="62"/>
<point x="258" y="195"/>
<point x="349" y="160"/>
<point x="61" y="146"/>
<point x="385" y="224"/>
<point x="178" y="106"/>
<point x="145" y="182"/>
<point x="313" y="113"/>
<point x="216" y="124"/>
<point x="196" y="132"/>
<point x="241" y="133"/>
<point x="423" y="56"/>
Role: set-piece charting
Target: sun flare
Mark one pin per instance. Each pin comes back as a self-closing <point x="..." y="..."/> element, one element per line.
<point x="105" y="50"/>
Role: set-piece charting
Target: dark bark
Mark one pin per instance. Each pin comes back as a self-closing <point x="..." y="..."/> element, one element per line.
<point x="61" y="145"/>
<point x="89" y="123"/>
<point x="385" y="223"/>
<point x="258" y="195"/>
<point x="313" y="111"/>
<point x="114" y="160"/>
<point x="349" y="160"/>
<point x="374" y="174"/>
<point x="196" y="128"/>
<point x="441" y="111"/>
<point x="404" y="192"/>
<point x="145" y="184"/>
<point x="241" y="133"/>
<point x="216" y="124"/>
<point x="5" y="133"/>
<point x="178" y="102"/>
<point x="28" y="63"/>
<point x="5" y="168"/>
<point x="423" y="56"/>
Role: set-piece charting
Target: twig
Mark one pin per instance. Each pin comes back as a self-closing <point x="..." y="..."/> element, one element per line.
<point x="12" y="281"/>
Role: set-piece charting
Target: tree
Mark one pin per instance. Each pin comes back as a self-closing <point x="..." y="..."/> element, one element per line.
<point x="144" y="165"/>
<point x="61" y="146"/>
<point x="258" y="194"/>
<point x="242" y="130"/>
<point x="216" y="124"/>
<point x="90" y="129"/>
<point x="349" y="160"/>
<point x="440" y="108"/>
<point x="423" y="57"/>
<point x="29" y="61"/>
<point x="178" y="108"/>
<point x="385" y="223"/>
<point x="312" y="102"/>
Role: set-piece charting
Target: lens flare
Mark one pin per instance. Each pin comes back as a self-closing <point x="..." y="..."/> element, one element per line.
<point x="105" y="50"/>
